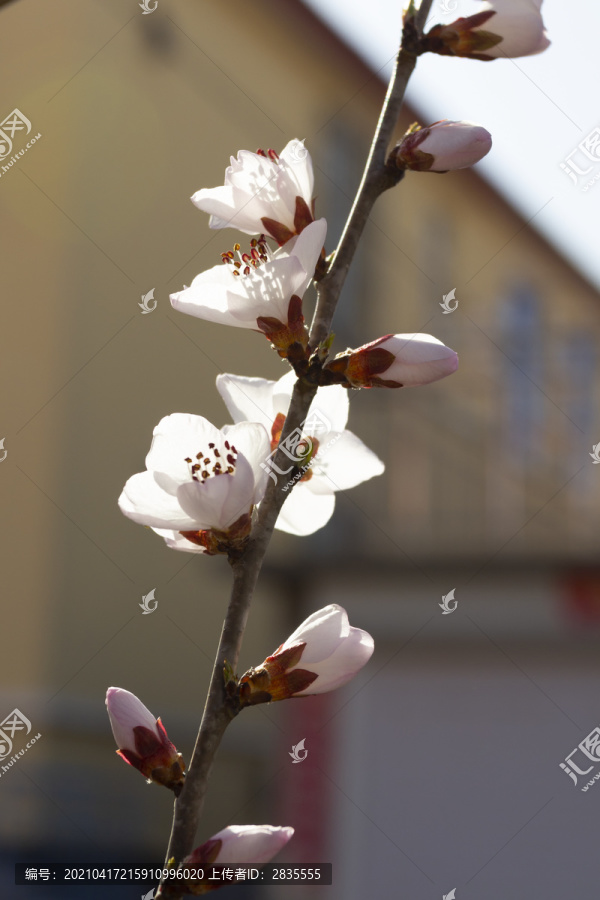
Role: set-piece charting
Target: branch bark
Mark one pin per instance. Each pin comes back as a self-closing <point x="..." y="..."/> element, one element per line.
<point x="218" y="711"/>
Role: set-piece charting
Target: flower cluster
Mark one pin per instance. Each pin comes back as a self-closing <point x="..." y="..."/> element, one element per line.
<point x="202" y="485"/>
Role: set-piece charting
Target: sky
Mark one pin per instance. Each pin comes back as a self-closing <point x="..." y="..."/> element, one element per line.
<point x="537" y="108"/>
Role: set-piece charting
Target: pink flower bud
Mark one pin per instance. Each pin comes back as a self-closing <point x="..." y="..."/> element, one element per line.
<point x="396" y="360"/>
<point x="143" y="741"/>
<point x="240" y="845"/>
<point x="502" y="29"/>
<point x="322" y="654"/>
<point x="443" y="146"/>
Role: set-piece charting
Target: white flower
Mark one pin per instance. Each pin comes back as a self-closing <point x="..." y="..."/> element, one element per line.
<point x="444" y="146"/>
<point x="502" y="29"/>
<point x="322" y="654"/>
<point x="258" y="292"/>
<point x="239" y="844"/>
<point x="341" y="460"/>
<point x="263" y="193"/>
<point x="142" y="739"/>
<point x="397" y="360"/>
<point x="200" y="480"/>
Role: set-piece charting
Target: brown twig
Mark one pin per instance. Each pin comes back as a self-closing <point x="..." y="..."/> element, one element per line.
<point x="377" y="178"/>
<point x="218" y="711"/>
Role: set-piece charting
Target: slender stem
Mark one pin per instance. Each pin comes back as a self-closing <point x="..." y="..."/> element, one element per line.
<point x="376" y="179"/>
<point x="218" y="711"/>
<point x="215" y="719"/>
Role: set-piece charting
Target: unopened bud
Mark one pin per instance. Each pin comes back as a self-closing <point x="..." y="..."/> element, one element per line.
<point x="237" y="845"/>
<point x="442" y="146"/>
<point x="396" y="360"/>
<point x="322" y="654"/>
<point x="502" y="29"/>
<point x="143" y="741"/>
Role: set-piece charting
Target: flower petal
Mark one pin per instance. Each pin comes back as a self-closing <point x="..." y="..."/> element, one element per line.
<point x="176" y="437"/>
<point x="333" y="404"/>
<point x="248" y="399"/>
<point x="126" y="712"/>
<point x="420" y="359"/>
<point x="218" y="296"/>
<point x="520" y="25"/>
<point x="250" y="843"/>
<point x="307" y="247"/>
<point x="297" y="158"/>
<point x="343" y="463"/>
<point x="322" y="631"/>
<point x="252" y="441"/>
<point x="350" y="656"/>
<point x="220" y="500"/>
<point x="304" y="512"/>
<point x="144" y="501"/>
<point x="220" y="203"/>
<point x="176" y="541"/>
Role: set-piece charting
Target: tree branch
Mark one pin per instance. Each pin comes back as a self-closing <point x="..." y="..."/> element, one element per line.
<point x="219" y="711"/>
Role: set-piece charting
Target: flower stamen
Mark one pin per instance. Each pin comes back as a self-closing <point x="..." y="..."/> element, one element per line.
<point x="259" y="253"/>
<point x="270" y="154"/>
<point x="205" y="461"/>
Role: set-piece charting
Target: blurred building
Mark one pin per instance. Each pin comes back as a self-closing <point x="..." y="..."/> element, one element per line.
<point x="422" y="772"/>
